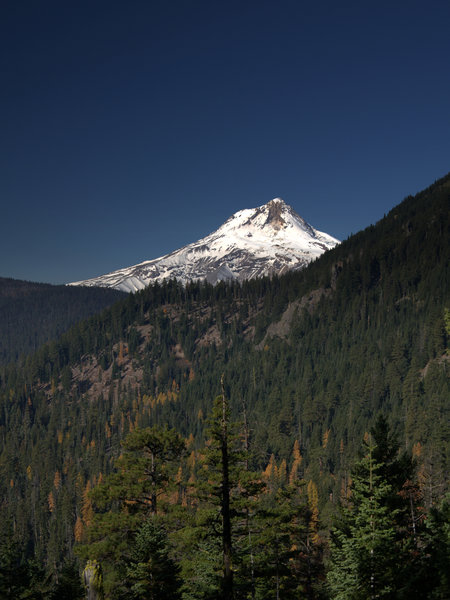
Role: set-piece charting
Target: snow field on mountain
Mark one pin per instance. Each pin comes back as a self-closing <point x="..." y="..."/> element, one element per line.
<point x="251" y="243"/>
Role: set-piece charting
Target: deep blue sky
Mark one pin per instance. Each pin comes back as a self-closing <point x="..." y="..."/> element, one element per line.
<point x="130" y="128"/>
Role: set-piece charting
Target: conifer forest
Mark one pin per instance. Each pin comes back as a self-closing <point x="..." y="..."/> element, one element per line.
<point x="281" y="438"/>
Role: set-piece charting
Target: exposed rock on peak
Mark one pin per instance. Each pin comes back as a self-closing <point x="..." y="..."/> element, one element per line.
<point x="275" y="213"/>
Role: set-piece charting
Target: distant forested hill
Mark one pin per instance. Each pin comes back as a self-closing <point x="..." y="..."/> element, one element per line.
<point x="34" y="313"/>
<point x="309" y="360"/>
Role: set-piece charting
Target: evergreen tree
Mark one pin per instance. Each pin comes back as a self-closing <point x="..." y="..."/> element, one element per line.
<point x="68" y="586"/>
<point x="151" y="573"/>
<point x="435" y="571"/>
<point x="21" y="579"/>
<point x="278" y="541"/>
<point x="127" y="498"/>
<point x="364" y="558"/>
<point x="380" y="548"/>
<point x="221" y="465"/>
<point x="227" y="492"/>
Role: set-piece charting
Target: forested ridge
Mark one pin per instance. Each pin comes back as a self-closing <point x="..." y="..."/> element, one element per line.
<point x="336" y="381"/>
<point x="34" y="313"/>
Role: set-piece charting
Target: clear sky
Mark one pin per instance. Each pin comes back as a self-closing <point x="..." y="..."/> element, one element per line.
<point x="131" y="128"/>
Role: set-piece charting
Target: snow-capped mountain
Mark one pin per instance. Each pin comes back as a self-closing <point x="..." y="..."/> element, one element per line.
<point x="269" y="239"/>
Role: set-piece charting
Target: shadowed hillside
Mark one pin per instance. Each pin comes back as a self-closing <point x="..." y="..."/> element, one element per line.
<point x="34" y="313"/>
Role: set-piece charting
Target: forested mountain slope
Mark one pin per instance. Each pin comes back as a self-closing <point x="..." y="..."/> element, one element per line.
<point x="34" y="313"/>
<point x="313" y="357"/>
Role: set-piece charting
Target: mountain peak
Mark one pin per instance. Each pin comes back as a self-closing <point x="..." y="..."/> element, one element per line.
<point x="270" y="214"/>
<point x="269" y="239"/>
